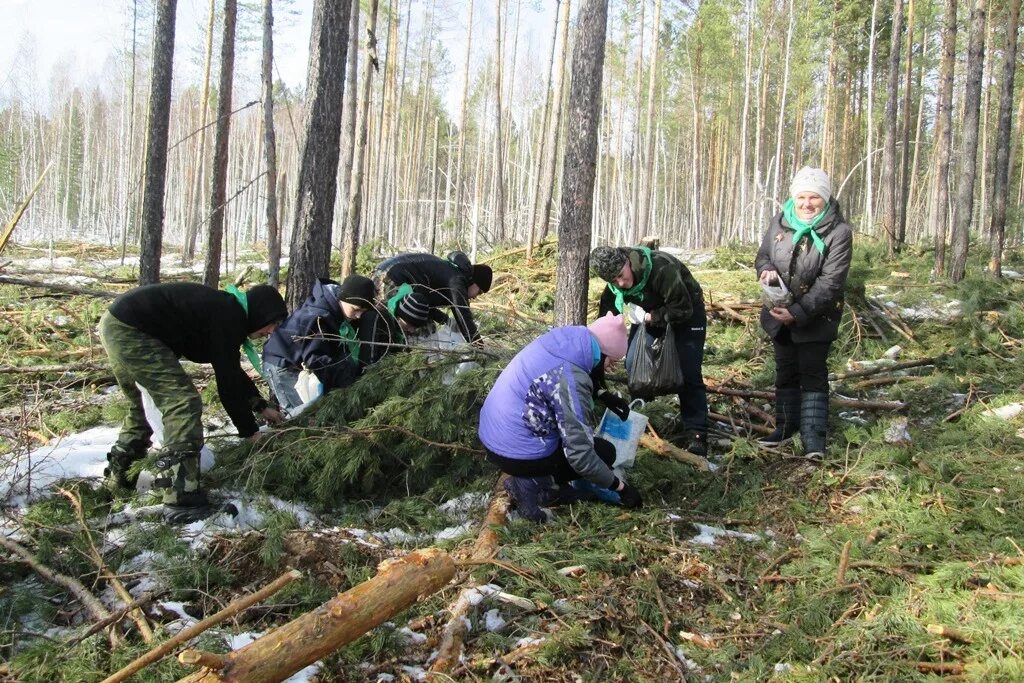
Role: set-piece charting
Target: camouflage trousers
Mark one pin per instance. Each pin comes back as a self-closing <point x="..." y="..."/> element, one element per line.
<point x="137" y="359"/>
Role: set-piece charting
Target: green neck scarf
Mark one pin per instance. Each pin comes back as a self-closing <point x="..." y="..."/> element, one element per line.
<point x="637" y="290"/>
<point x="348" y="338"/>
<point x="403" y="291"/>
<point x="801" y="228"/>
<point x="247" y="345"/>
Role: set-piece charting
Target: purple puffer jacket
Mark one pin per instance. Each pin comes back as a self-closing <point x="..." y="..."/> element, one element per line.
<point x="543" y="398"/>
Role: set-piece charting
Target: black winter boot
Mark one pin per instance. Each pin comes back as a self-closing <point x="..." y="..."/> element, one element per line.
<point x="119" y="460"/>
<point x="814" y="423"/>
<point x="697" y="443"/>
<point x="787" y="417"/>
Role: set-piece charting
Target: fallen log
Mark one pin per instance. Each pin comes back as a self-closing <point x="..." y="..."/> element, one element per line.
<point x="905" y="365"/>
<point x="316" y="634"/>
<point x="449" y="652"/>
<point x="655" y="443"/>
<point x="861" y="404"/>
<point x="161" y="651"/>
<point x="53" y="286"/>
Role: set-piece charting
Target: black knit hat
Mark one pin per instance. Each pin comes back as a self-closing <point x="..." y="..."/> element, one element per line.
<point x="413" y="309"/>
<point x="607" y="262"/>
<point x="482" y="276"/>
<point x="265" y="307"/>
<point x="357" y="290"/>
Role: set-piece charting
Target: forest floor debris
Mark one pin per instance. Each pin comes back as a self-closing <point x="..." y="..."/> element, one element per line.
<point x="927" y="534"/>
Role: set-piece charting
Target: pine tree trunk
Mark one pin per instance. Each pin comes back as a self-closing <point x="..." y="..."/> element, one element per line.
<point x="354" y="219"/>
<point x="888" y="181"/>
<point x="547" y="183"/>
<point x="542" y="140"/>
<point x="1000" y="180"/>
<point x="270" y="146"/>
<point x="869" y="216"/>
<point x="499" y="160"/>
<point x="310" y="251"/>
<point x="959" y="238"/>
<point x="944" y="123"/>
<point x="579" y="166"/>
<point x="349" y="106"/>
<point x="129" y="154"/>
<point x="192" y="226"/>
<point x="218" y="191"/>
<point x="647" y="185"/>
<point x="903" y="186"/>
<point x="156" y="147"/>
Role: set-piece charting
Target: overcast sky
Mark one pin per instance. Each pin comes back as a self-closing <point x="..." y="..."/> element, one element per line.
<point x="81" y="38"/>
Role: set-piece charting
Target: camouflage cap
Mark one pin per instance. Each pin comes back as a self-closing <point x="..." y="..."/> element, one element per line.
<point x="606" y="262"/>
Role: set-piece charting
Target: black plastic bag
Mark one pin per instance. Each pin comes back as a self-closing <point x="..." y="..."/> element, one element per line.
<point x="653" y="365"/>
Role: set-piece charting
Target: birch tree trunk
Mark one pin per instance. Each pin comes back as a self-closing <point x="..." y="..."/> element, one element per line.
<point x="310" y="251"/>
<point x="218" y="191"/>
<point x="1000" y="180"/>
<point x="903" y="185"/>
<point x="542" y="139"/>
<point x="460" y="180"/>
<point x="969" y="151"/>
<point x="156" y="148"/>
<point x="647" y="185"/>
<point x="499" y="163"/>
<point x="580" y="163"/>
<point x="869" y="217"/>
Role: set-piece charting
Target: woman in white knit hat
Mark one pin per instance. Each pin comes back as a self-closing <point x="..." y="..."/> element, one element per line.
<point x="807" y="248"/>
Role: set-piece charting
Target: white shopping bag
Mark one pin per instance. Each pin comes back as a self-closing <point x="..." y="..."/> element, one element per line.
<point x="445" y="338"/>
<point x="309" y="387"/>
<point x="624" y="434"/>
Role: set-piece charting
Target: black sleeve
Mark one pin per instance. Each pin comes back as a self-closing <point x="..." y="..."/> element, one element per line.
<point x="237" y="393"/>
<point x="463" y="316"/>
<point x="607" y="304"/>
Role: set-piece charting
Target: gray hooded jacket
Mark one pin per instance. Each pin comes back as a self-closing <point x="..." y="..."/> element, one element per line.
<point x="816" y="280"/>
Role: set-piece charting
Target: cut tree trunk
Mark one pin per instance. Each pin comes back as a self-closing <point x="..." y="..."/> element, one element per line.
<point x="399" y="583"/>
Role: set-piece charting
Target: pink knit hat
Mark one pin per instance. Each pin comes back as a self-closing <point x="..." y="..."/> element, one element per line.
<point x="610" y="332"/>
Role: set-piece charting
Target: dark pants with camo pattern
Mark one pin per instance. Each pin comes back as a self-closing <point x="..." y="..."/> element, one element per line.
<point x="138" y="359"/>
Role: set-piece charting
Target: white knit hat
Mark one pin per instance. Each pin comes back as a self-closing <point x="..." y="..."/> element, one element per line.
<point x="814" y="180"/>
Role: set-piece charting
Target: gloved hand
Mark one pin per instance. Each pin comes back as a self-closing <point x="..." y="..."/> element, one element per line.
<point x="614" y="402"/>
<point x="629" y="497"/>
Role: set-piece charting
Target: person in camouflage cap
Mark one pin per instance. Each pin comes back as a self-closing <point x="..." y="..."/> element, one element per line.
<point x="670" y="296"/>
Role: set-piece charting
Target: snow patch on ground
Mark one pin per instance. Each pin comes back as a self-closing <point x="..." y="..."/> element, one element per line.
<point x="460" y="508"/>
<point x="493" y="621"/>
<point x="79" y="456"/>
<point x="709" y="535"/>
<point x="397" y="536"/>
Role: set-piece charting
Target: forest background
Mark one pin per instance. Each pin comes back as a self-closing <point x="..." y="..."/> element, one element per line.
<point x="706" y="111"/>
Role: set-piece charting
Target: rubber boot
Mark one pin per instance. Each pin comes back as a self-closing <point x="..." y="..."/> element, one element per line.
<point x="527" y="493"/>
<point x="787" y="417"/>
<point x="119" y="460"/>
<point x="814" y="423"/>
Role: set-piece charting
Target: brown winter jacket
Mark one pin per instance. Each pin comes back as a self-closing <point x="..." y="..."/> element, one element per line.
<point x="816" y="280"/>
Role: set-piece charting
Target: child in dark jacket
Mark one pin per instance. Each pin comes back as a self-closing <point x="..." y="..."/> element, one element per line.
<point x="144" y="333"/>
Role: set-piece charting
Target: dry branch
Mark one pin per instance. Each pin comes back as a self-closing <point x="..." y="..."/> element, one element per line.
<point x="906" y="365"/>
<point x="158" y="653"/>
<point x="844" y="563"/>
<point x="53" y="286"/>
<point x="835" y="400"/>
<point x="658" y="445"/>
<point x="486" y="545"/>
<point x="316" y="634"/>
<point x="948" y="632"/>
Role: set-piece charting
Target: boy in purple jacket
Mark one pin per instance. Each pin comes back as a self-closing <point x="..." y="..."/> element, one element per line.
<point x="536" y="422"/>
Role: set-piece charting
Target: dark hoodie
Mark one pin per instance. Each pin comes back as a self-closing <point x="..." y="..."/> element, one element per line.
<point x="444" y="282"/>
<point x="205" y="325"/>
<point x="311" y="337"/>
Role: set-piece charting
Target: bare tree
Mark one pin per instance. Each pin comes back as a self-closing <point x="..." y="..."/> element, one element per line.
<point x="944" y="123"/>
<point x="270" y="145"/>
<point x="1000" y="180"/>
<point x="349" y="106"/>
<point x="192" y="227"/>
<point x="580" y="164"/>
<point x="310" y="251"/>
<point x="547" y="182"/>
<point x="353" y="221"/>
<point x="888" y="181"/>
<point x="218" y="191"/>
<point x="647" y="184"/>
<point x="959" y="239"/>
<point x="156" y="149"/>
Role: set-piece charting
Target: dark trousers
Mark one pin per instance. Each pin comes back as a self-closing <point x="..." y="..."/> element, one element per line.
<point x="554" y="465"/>
<point x="802" y="365"/>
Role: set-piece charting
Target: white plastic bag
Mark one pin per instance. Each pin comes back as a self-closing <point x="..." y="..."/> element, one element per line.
<point x="624" y="434"/>
<point x="445" y="338"/>
<point x="308" y="386"/>
<point x="777" y="294"/>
